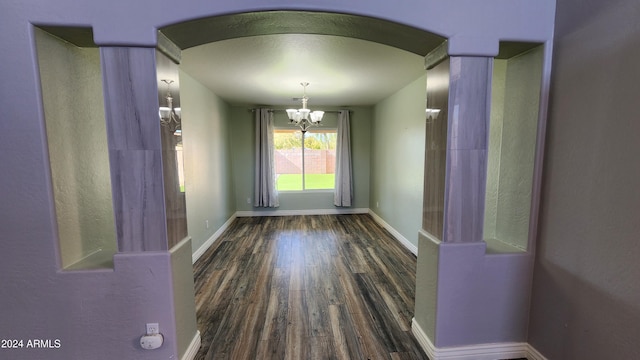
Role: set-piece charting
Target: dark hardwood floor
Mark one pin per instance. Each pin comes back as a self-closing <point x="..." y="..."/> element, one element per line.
<point x="306" y="287"/>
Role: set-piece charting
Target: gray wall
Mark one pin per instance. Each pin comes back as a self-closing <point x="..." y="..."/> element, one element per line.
<point x="207" y="160"/>
<point x="243" y="138"/>
<point x="397" y="158"/>
<point x="585" y="293"/>
<point x="77" y="138"/>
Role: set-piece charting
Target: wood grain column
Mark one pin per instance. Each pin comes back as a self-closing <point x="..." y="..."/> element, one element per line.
<point x="467" y="144"/>
<point x="135" y="153"/>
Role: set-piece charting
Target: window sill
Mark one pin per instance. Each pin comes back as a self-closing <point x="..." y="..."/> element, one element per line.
<point x="305" y="191"/>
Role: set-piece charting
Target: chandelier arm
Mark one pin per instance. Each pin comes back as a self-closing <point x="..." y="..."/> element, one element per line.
<point x="172" y="122"/>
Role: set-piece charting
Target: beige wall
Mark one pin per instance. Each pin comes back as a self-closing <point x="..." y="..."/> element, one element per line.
<point x="513" y="128"/>
<point x="397" y="158"/>
<point x="76" y="132"/>
<point x="207" y="160"/>
<point x="183" y="295"/>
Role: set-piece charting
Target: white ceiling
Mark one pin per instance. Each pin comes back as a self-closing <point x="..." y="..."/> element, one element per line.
<point x="268" y="69"/>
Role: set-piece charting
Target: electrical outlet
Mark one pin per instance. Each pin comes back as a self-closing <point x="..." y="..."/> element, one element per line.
<point x="377" y="204"/>
<point x="153" y="328"/>
<point x="248" y="200"/>
<point x="207" y="223"/>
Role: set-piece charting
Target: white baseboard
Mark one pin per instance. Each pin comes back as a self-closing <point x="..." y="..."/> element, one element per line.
<point x="403" y="240"/>
<point x="193" y="348"/>
<point x="533" y="354"/>
<point x="207" y="244"/>
<point x="474" y="352"/>
<point x="336" y="211"/>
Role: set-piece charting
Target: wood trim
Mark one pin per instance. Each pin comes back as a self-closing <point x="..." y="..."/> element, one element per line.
<point x="193" y="348"/>
<point x="466" y="149"/>
<point x="135" y="151"/>
<point x="403" y="240"/>
<point x="207" y="244"/>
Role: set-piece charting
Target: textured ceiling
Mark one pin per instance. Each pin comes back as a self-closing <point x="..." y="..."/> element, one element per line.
<point x="260" y="58"/>
<point x="268" y="69"/>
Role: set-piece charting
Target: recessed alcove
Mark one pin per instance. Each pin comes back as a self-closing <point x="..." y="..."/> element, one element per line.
<point x="515" y="102"/>
<point x="168" y="79"/>
<point x="73" y="104"/>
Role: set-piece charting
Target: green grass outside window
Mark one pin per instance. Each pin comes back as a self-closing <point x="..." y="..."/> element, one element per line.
<point x="293" y="182"/>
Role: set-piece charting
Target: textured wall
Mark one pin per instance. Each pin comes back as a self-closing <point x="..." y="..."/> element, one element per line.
<point x="514" y="120"/>
<point x="77" y="138"/>
<point x="495" y="147"/>
<point x="521" y="103"/>
<point x="183" y="295"/>
<point x="427" y="285"/>
<point x="206" y="141"/>
<point x="397" y="158"/>
<point x="586" y="294"/>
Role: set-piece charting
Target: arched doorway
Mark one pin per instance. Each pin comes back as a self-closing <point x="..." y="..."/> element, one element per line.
<point x="473" y="29"/>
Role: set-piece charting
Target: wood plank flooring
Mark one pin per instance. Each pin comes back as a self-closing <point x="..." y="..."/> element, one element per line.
<point x="306" y="287"/>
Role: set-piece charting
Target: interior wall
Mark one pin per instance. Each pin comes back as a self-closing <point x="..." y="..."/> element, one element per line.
<point x="586" y="299"/>
<point x="243" y="140"/>
<point x="207" y="160"/>
<point x="77" y="138"/>
<point x="38" y="306"/>
<point x="397" y="158"/>
<point x="183" y="295"/>
<point x="514" y="121"/>
<point x="498" y="82"/>
<point x="521" y="104"/>
<point x="174" y="197"/>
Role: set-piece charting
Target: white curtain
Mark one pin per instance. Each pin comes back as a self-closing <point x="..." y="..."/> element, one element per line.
<point x="343" y="194"/>
<point x="265" y="193"/>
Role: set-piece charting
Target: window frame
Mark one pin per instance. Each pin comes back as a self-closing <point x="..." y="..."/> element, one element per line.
<point x="331" y="129"/>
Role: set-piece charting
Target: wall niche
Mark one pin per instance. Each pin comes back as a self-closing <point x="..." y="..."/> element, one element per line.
<point x="73" y="102"/>
<point x="513" y="134"/>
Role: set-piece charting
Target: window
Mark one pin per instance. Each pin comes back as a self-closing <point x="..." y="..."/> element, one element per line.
<point x="305" y="161"/>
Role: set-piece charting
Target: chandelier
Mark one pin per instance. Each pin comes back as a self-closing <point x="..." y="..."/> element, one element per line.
<point x="170" y="116"/>
<point x="304" y="117"/>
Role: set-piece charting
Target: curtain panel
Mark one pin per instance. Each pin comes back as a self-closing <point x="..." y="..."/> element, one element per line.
<point x="343" y="195"/>
<point x="265" y="193"/>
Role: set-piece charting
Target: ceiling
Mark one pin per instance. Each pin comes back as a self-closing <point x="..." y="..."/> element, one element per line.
<point x="268" y="69"/>
<point x="261" y="58"/>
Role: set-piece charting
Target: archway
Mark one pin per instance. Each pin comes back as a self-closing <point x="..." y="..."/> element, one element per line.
<point x="472" y="29"/>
